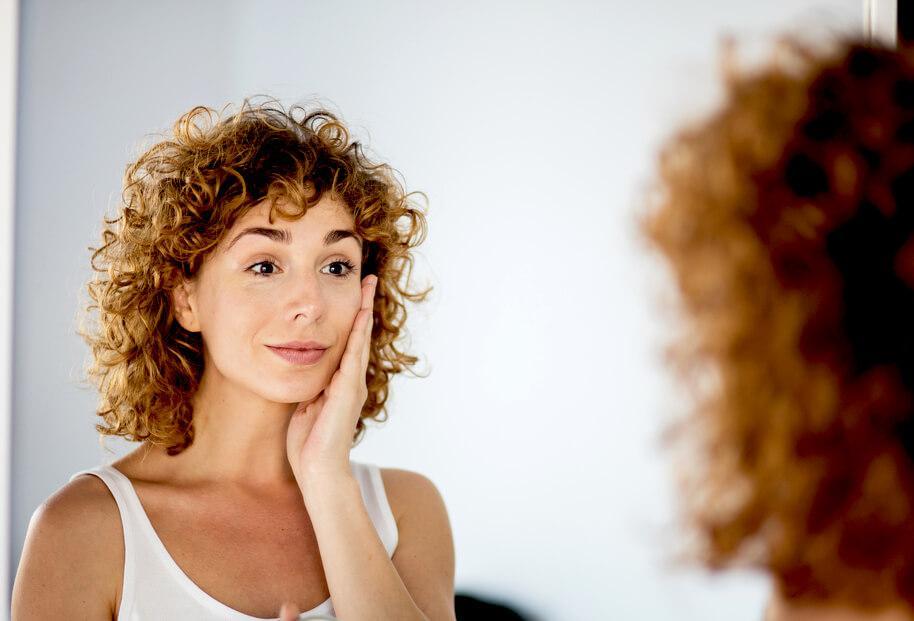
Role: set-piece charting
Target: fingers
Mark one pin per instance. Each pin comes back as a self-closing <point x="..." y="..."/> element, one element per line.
<point x="369" y="286"/>
<point x="288" y="612"/>
<point x="361" y="332"/>
<point x="366" y="341"/>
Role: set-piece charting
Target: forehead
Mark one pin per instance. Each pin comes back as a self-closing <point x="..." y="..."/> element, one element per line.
<point x="326" y="222"/>
<point x="328" y="211"/>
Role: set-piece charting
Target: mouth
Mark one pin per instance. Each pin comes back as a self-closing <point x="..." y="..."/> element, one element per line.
<point x="299" y="355"/>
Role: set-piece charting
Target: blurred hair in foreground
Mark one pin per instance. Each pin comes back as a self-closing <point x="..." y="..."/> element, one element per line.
<point x="787" y="219"/>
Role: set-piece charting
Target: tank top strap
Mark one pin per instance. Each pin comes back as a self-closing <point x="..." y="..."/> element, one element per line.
<point x="375" y="498"/>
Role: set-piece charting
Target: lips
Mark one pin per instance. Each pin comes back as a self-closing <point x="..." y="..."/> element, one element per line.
<point x="299" y="352"/>
<point x="299" y="345"/>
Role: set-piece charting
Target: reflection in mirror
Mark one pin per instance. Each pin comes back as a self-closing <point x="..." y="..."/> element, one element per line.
<point x="786" y="219"/>
<point x="245" y="322"/>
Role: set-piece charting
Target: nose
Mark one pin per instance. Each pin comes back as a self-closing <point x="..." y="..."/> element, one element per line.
<point x="304" y="299"/>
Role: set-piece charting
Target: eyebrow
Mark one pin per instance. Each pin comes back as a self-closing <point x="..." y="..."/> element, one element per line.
<point x="285" y="237"/>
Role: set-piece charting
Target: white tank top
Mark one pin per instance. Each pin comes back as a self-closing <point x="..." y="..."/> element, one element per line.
<point x="155" y="587"/>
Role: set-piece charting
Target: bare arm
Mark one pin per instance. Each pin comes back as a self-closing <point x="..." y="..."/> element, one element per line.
<point x="65" y="571"/>
<point x="424" y="557"/>
<point x="363" y="581"/>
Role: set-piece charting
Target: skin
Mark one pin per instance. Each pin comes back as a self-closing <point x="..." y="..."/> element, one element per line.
<point x="270" y="458"/>
<point x="782" y="610"/>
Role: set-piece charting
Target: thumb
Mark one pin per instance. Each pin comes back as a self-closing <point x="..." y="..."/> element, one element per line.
<point x="299" y="427"/>
<point x="288" y="612"/>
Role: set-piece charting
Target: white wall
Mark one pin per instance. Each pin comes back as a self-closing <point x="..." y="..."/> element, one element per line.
<point x="532" y="127"/>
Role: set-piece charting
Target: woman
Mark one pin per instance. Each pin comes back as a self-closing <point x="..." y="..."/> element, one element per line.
<point x="250" y="296"/>
<point x="787" y="218"/>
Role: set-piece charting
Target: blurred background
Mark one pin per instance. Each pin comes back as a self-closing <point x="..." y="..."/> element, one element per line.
<point x="532" y="127"/>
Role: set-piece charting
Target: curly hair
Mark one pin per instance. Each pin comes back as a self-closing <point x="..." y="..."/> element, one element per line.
<point x="787" y="219"/>
<point x="180" y="198"/>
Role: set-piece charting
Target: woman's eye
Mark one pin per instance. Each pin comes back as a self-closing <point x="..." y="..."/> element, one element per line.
<point x="340" y="269"/>
<point x="257" y="271"/>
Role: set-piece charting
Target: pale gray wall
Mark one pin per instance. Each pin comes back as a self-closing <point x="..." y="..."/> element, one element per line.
<point x="531" y="126"/>
<point x="9" y="68"/>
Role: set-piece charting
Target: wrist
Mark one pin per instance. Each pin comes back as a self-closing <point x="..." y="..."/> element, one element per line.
<point x="323" y="482"/>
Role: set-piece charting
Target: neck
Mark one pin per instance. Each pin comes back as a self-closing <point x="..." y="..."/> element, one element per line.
<point x="239" y="438"/>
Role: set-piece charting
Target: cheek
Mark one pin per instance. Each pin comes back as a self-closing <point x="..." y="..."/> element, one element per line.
<point x="344" y="305"/>
<point x="231" y="314"/>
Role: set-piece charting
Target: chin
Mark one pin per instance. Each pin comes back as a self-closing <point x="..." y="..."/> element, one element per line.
<point x="290" y="384"/>
<point x="289" y="393"/>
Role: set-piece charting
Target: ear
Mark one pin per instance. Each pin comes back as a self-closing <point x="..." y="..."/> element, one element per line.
<point x="184" y="304"/>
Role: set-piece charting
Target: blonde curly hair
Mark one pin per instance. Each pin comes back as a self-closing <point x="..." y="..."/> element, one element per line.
<point x="180" y="197"/>
<point x="787" y="218"/>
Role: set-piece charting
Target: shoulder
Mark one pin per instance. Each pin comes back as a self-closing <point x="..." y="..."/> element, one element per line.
<point x="84" y="494"/>
<point x="409" y="492"/>
<point x="74" y="543"/>
<point x="84" y="507"/>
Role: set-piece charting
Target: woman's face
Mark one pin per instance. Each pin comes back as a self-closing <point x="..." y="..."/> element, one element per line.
<point x="266" y="285"/>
